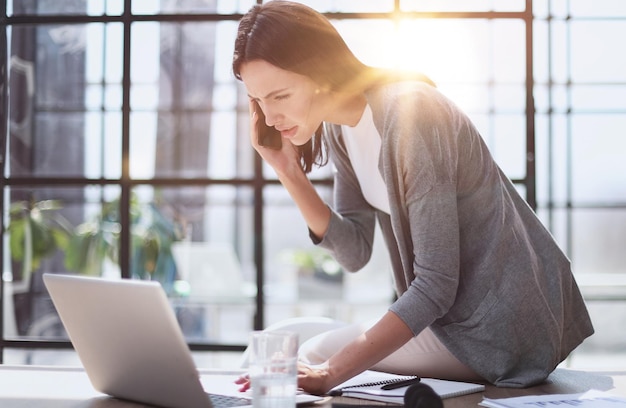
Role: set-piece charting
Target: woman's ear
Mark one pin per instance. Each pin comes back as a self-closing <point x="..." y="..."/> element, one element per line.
<point x="322" y="89"/>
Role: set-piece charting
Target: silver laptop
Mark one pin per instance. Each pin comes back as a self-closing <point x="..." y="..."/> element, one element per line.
<point x="130" y="344"/>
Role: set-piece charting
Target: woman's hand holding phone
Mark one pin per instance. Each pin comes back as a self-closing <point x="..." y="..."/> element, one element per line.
<point x="267" y="141"/>
<point x="267" y="136"/>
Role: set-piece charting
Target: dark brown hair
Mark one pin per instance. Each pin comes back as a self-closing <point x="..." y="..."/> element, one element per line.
<point x="296" y="38"/>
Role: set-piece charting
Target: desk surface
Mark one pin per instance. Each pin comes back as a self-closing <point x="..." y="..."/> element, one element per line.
<point x="58" y="387"/>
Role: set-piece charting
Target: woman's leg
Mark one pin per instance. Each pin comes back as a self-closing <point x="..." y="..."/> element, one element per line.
<point x="424" y="355"/>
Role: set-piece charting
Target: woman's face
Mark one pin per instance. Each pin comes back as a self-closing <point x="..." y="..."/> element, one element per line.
<point x="292" y="103"/>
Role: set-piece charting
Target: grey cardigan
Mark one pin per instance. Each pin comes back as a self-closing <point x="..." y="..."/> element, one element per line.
<point x="470" y="258"/>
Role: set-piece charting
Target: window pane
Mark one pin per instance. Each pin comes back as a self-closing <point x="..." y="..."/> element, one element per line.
<point x="607" y="98"/>
<point x="65" y="7"/>
<point x="598" y="240"/>
<point x="559" y="158"/>
<point x="505" y="136"/>
<point x="593" y="51"/>
<point x="508" y="50"/>
<point x="508" y="145"/>
<point x="350" y="6"/>
<point x="219" y="214"/>
<point x="473" y="99"/>
<point x="509" y="98"/>
<point x="55" y="230"/>
<point x="379" y="50"/>
<point x="79" y="232"/>
<point x="184" y="121"/>
<point x="304" y="280"/>
<point x="191" y="6"/>
<point x="462" y="5"/>
<point x="599" y="8"/>
<point x="45" y="357"/>
<point x="598" y="165"/>
<point x="203" y="257"/>
<point x="62" y="105"/>
<point x="548" y="176"/>
<point x="553" y="98"/>
<point x="541" y="50"/>
<point x="438" y="47"/>
<point x="178" y="60"/>
<point x="559" y="63"/>
<point x="284" y="232"/>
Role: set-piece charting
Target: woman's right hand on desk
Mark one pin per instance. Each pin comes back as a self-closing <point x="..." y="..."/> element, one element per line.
<point x="314" y="379"/>
<point x="243" y="382"/>
<point x="311" y="379"/>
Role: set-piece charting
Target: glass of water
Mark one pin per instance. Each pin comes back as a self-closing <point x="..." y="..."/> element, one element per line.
<point x="273" y="368"/>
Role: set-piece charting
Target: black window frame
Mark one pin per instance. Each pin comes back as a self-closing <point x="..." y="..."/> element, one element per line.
<point x="257" y="183"/>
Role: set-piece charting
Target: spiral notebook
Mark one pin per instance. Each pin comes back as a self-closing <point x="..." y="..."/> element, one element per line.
<point x="369" y="385"/>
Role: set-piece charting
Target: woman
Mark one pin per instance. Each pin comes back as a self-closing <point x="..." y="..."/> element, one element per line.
<point x="484" y="293"/>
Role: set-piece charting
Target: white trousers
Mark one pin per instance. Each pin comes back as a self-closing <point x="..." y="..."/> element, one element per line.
<point x="423" y="355"/>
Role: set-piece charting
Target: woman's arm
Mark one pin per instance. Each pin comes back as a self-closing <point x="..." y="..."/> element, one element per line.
<point x="351" y="230"/>
<point x="386" y="336"/>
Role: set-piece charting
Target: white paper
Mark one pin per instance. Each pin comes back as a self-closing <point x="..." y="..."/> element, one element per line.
<point x="356" y="387"/>
<point x="589" y="399"/>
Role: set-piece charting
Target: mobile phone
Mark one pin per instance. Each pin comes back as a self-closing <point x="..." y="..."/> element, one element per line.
<point x="267" y="136"/>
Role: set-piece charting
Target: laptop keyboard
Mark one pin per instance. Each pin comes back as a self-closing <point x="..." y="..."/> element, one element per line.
<point x="225" y="401"/>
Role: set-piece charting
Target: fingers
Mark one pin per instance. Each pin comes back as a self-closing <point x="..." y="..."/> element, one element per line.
<point x="244" y="382"/>
<point x="244" y="387"/>
<point x="303" y="369"/>
<point x="242" y="379"/>
<point x="254" y="117"/>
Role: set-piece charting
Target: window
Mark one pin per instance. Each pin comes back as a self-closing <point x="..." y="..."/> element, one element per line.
<point x="125" y="146"/>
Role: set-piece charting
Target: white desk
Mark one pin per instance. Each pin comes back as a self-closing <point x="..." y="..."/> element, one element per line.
<point x="31" y="386"/>
<point x="54" y="387"/>
<point x="69" y="387"/>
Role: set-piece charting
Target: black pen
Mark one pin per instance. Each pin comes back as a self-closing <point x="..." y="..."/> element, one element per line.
<point x="400" y="384"/>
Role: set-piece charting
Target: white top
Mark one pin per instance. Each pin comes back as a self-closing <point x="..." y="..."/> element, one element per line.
<point x="363" y="144"/>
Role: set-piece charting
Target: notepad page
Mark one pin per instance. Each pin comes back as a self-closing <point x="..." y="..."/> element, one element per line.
<point x="444" y="388"/>
<point x="371" y="376"/>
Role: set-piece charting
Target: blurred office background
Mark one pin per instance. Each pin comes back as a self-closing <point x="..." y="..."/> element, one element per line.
<point x="125" y="153"/>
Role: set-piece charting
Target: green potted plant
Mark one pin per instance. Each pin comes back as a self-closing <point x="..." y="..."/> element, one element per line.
<point x="36" y="231"/>
<point x="152" y="235"/>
